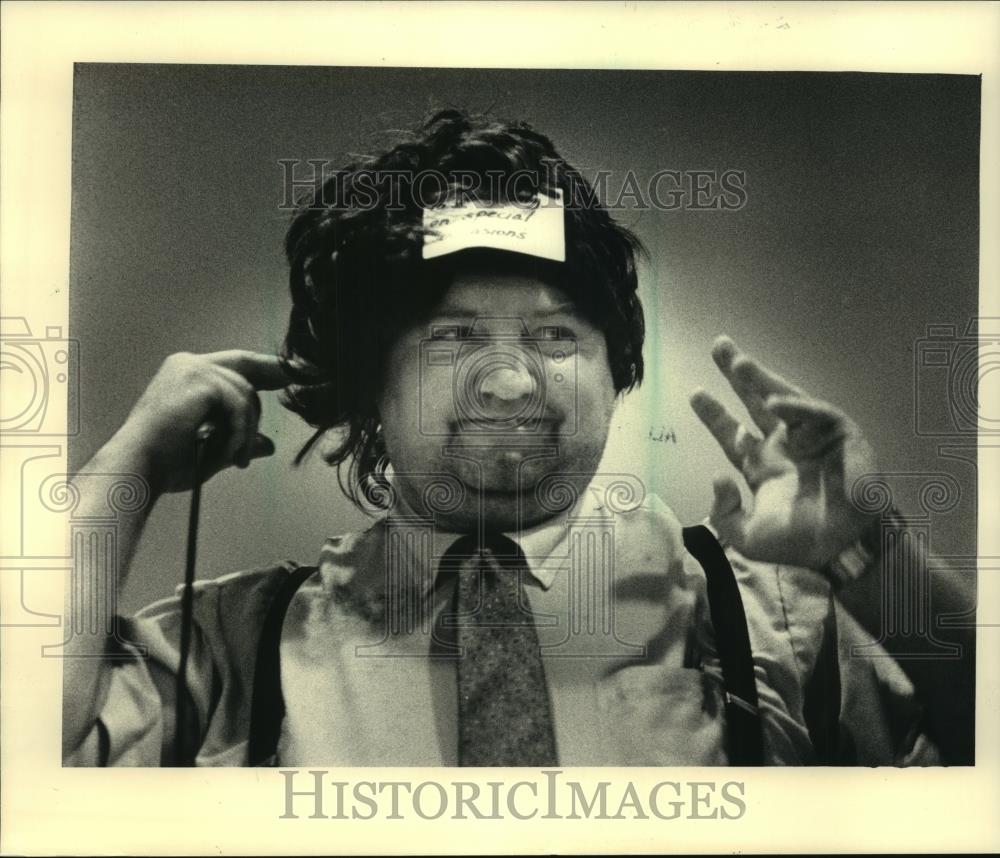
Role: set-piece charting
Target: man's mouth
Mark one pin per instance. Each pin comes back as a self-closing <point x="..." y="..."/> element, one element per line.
<point x="501" y="465"/>
<point x="498" y="428"/>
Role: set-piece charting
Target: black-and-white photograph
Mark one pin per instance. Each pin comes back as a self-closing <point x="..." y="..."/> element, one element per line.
<point x="471" y="417"/>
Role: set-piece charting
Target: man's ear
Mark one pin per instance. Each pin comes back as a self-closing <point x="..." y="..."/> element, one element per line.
<point x="383" y="452"/>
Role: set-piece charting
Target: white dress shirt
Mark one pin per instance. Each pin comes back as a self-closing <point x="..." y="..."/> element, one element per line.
<point x="623" y="622"/>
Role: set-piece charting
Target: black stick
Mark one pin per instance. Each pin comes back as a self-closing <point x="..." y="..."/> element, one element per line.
<point x="185" y="757"/>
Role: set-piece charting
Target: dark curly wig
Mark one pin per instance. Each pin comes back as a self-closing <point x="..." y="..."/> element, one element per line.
<point x="358" y="279"/>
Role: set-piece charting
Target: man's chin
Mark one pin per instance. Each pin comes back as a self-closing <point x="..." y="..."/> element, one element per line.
<point x="497" y="513"/>
<point x="501" y="509"/>
<point x="491" y="493"/>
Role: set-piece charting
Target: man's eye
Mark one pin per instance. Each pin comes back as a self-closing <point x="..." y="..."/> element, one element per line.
<point x="449" y="332"/>
<point x="556" y="332"/>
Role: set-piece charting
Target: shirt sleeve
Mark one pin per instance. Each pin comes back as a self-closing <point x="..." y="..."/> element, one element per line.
<point x="786" y="610"/>
<point x="803" y="644"/>
<point x="881" y="718"/>
<point x="134" y="726"/>
<point x="135" y="722"/>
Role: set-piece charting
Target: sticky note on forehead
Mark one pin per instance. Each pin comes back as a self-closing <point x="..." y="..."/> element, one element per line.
<point x="537" y="228"/>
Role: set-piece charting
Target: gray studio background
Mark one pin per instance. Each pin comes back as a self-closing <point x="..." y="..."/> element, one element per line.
<point x="859" y="231"/>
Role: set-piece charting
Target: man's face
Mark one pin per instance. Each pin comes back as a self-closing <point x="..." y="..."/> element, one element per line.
<point x="504" y="394"/>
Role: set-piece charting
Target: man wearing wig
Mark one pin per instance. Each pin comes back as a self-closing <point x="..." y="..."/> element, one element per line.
<point x="464" y="321"/>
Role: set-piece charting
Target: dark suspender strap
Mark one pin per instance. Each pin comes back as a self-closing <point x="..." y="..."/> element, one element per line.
<point x="267" y="707"/>
<point x="744" y="739"/>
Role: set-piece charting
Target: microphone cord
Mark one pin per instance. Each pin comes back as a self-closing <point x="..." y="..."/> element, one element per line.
<point x="184" y="745"/>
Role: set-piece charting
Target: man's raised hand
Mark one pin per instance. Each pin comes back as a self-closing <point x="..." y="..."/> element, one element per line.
<point x="158" y="437"/>
<point x="799" y="467"/>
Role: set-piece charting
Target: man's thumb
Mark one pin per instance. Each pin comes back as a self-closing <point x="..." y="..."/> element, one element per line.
<point x="728" y="499"/>
<point x="262" y="447"/>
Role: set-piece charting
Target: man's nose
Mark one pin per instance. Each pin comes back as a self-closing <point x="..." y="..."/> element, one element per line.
<point x="506" y="390"/>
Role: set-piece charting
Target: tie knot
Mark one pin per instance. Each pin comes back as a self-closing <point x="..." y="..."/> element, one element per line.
<point x="489" y="544"/>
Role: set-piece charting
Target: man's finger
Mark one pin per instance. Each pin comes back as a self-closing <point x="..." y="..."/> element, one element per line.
<point x="728" y="516"/>
<point x="751" y="396"/>
<point x="732" y="436"/>
<point x="736" y="363"/>
<point x="811" y="443"/>
<point x="765" y="381"/>
<point x="728" y="499"/>
<point x="795" y="411"/>
<point x="237" y="419"/>
<point x="244" y="386"/>
<point x="814" y="427"/>
<point x="262" y="447"/>
<point x="729" y="357"/>
<point x="251" y="419"/>
<point x="263" y="371"/>
<point x="751" y="382"/>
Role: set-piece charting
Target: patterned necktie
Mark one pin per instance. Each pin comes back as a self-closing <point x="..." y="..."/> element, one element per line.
<point x="504" y="715"/>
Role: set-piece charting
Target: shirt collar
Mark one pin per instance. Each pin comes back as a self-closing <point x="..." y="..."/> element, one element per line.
<point x="538" y="543"/>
